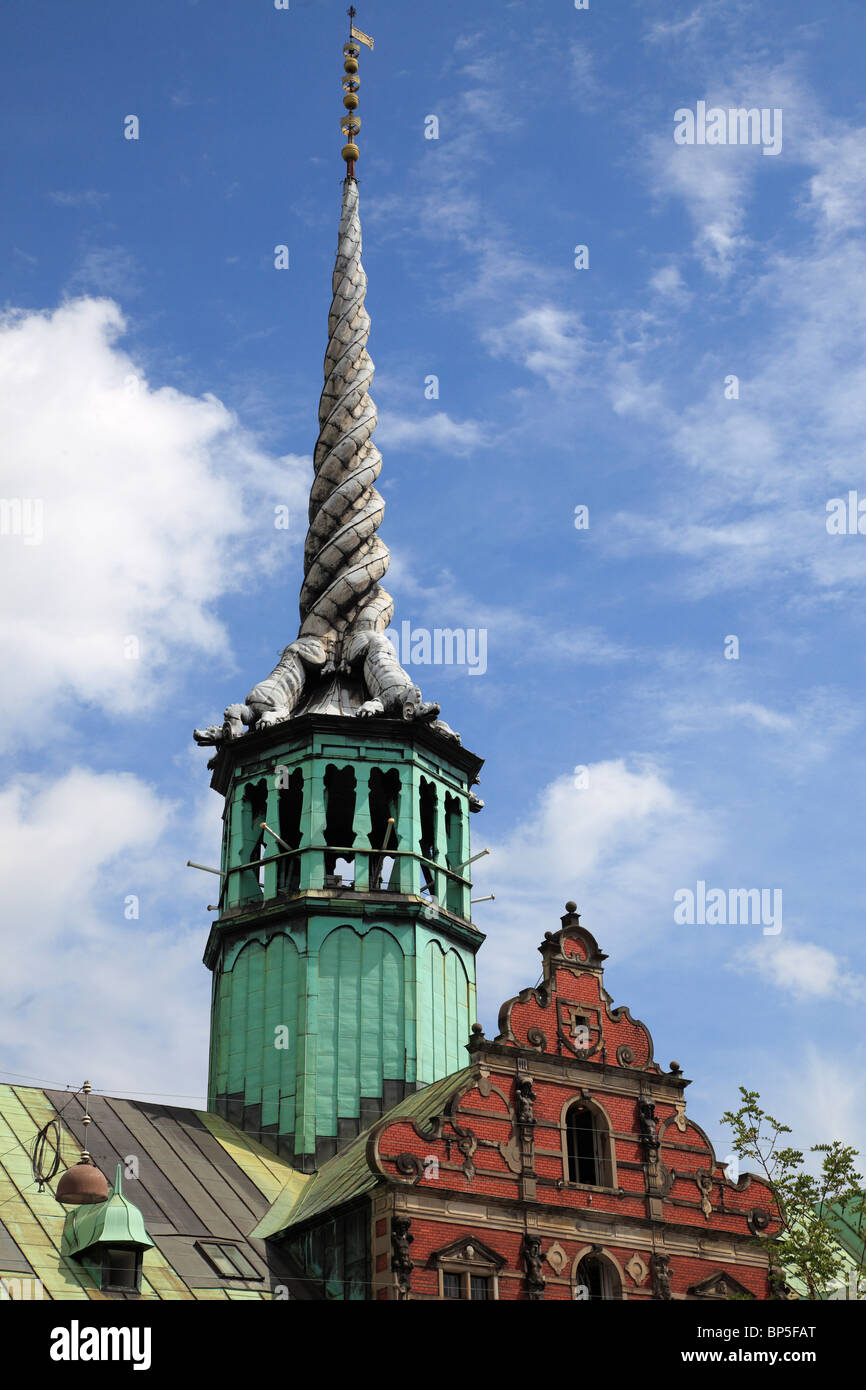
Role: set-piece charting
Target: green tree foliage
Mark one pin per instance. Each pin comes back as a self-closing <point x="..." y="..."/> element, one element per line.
<point x="807" y="1246"/>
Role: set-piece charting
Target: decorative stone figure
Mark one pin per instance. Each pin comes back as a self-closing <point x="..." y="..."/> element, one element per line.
<point x="525" y="1098"/>
<point x="532" y="1259"/>
<point x="401" y="1262"/>
<point x="661" y="1272"/>
<point x="648" y="1132"/>
<point x="647" y="1117"/>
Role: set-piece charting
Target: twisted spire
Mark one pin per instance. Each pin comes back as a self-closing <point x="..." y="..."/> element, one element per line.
<point x="341" y="661"/>
<point x="344" y="557"/>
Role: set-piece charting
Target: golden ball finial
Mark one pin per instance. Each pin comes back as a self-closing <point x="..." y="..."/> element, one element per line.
<point x="351" y="153"/>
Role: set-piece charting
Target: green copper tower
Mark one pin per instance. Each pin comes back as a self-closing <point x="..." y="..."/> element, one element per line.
<point x="343" y="952"/>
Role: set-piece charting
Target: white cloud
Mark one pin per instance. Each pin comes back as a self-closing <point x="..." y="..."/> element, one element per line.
<point x="714" y="184"/>
<point x="749" y="502"/>
<point x="803" y="970"/>
<point x="661" y="30"/>
<point x="837" y="192"/>
<point x="436" y="430"/>
<point x="85" y="990"/>
<point x="813" y="729"/>
<point x="107" y="270"/>
<point x="761" y="716"/>
<point x="821" y="1102"/>
<point x="614" y="846"/>
<point x="548" y="341"/>
<point x="84" y="198"/>
<point x="519" y="636"/>
<point x="668" y="282"/>
<point x="586" y="89"/>
<point x="144" y="494"/>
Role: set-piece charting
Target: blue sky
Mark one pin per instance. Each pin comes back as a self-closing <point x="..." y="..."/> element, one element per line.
<point x="158" y="388"/>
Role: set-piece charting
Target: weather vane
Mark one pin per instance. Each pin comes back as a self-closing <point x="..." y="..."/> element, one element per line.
<point x="351" y="122"/>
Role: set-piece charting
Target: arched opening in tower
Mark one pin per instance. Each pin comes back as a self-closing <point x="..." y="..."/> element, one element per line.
<point x="384" y="803"/>
<point x="339" y="821"/>
<point x="427" y="843"/>
<point x="291" y="805"/>
<point x="254" y="806"/>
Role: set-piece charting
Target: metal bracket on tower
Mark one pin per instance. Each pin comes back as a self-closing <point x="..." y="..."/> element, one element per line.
<point x="467" y="862"/>
<point x="264" y="826"/>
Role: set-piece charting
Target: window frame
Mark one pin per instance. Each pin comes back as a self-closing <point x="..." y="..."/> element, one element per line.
<point x="465" y="1272"/>
<point x="135" y="1285"/>
<point x="613" y="1281"/>
<point x="205" y="1246"/>
<point x="603" y="1144"/>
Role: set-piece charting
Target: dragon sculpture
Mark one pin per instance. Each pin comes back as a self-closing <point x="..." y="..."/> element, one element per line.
<point x="344" y="609"/>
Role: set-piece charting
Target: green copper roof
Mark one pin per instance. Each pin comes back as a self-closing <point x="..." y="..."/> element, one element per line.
<point x="348" y="1174"/>
<point x="116" y="1221"/>
<point x="849" y="1226"/>
<point x="849" y="1223"/>
<point x="203" y="1176"/>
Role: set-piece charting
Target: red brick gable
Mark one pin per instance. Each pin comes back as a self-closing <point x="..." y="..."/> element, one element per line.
<point x="660" y="1211"/>
<point x="545" y="1018"/>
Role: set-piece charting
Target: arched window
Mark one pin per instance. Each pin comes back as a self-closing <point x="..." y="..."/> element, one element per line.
<point x="596" y="1280"/>
<point x="291" y="806"/>
<point x="339" y="820"/>
<point x="253" y="808"/>
<point x="587" y="1146"/>
<point x="384" y="802"/>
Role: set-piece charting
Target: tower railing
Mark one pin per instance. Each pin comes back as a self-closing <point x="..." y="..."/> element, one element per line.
<point x="258" y="880"/>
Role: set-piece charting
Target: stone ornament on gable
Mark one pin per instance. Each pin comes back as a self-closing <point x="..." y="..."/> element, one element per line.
<point x="556" y="1258"/>
<point x="637" y="1269"/>
<point x="705" y="1184"/>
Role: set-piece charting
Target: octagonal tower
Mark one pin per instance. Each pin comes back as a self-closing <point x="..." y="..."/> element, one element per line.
<point x="343" y="953"/>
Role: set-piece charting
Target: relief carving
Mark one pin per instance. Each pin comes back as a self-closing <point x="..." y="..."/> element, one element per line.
<point x="637" y="1269"/>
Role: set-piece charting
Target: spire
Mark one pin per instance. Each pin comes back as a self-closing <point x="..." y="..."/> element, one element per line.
<point x="351" y="123"/>
<point x="341" y="661"/>
<point x="344" y="557"/>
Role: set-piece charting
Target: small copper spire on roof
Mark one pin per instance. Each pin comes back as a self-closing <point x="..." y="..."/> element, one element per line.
<point x="84" y="1183"/>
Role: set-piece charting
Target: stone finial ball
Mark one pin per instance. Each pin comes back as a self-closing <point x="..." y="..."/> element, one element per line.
<point x="571" y="907"/>
<point x="350" y="152"/>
